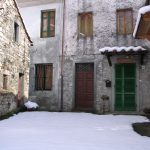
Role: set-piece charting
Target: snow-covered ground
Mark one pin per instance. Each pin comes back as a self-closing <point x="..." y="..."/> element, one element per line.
<point x="71" y="131"/>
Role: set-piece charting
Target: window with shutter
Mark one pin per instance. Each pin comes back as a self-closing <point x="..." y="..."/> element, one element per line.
<point x="48" y="24"/>
<point x="43" y="78"/>
<point x="124" y="21"/>
<point x="85" y="24"/>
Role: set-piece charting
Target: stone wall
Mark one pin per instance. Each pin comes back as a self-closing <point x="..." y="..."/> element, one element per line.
<point x="14" y="55"/>
<point x="7" y="102"/>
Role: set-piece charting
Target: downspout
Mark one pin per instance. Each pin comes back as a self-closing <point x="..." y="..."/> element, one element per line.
<point x="62" y="51"/>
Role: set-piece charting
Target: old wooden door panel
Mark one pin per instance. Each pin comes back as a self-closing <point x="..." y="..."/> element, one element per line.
<point x="125" y="83"/>
<point x="84" y="85"/>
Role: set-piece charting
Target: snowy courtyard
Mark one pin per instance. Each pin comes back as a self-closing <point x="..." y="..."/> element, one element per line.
<point x="71" y="131"/>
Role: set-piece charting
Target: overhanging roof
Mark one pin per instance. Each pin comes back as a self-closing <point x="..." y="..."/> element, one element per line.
<point x="142" y="28"/>
<point x="131" y="50"/>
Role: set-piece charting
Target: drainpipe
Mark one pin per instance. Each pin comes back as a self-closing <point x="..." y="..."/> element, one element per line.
<point x="62" y="51"/>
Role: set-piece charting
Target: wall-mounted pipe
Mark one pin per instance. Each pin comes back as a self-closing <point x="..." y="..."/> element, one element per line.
<point x="62" y="54"/>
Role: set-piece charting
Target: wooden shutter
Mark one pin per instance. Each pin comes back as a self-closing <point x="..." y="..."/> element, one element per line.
<point x="44" y="24"/>
<point x="89" y="24"/>
<point x="81" y="25"/>
<point x="85" y="24"/>
<point x="39" y="77"/>
<point x="129" y="21"/>
<point x="48" y="77"/>
<point x="125" y="87"/>
<point x="124" y="21"/>
<point x="52" y="23"/>
<point x="120" y="20"/>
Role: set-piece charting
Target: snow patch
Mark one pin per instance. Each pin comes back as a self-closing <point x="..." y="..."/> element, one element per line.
<point x="144" y="9"/>
<point x="31" y="105"/>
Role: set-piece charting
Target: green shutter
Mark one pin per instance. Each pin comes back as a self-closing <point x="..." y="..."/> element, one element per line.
<point x="125" y="87"/>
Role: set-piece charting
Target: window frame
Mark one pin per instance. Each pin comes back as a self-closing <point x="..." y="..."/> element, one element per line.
<point x="48" y="24"/>
<point x="44" y="77"/>
<point x="85" y="35"/>
<point x="117" y="20"/>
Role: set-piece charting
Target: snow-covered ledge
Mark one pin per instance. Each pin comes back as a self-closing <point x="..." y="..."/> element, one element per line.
<point x="122" y="49"/>
<point x="142" y="11"/>
<point x="131" y="50"/>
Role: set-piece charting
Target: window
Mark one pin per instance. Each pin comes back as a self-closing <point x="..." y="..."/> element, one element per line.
<point x="124" y="21"/>
<point x="16" y="32"/>
<point x="43" y="78"/>
<point x="85" y="24"/>
<point x="48" y="24"/>
<point x="5" y="80"/>
<point x="147" y="2"/>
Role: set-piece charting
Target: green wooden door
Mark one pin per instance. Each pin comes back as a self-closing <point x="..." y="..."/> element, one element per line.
<point x="125" y="87"/>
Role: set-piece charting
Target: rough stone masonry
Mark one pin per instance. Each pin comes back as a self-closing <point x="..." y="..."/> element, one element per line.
<point x="14" y="57"/>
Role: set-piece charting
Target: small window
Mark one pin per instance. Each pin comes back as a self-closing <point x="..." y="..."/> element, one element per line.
<point x="48" y="24"/>
<point x="5" y="82"/>
<point x="16" y="32"/>
<point x="85" y="24"/>
<point x="124" y="21"/>
<point x="43" y="77"/>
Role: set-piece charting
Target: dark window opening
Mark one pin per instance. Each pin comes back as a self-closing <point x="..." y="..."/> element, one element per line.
<point x="16" y="32"/>
<point x="43" y="76"/>
<point x="5" y="82"/>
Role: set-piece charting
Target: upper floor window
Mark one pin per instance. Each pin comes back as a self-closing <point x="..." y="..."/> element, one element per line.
<point x="43" y="77"/>
<point x="85" y="24"/>
<point x="124" y="21"/>
<point x="16" y="32"/>
<point x="48" y="24"/>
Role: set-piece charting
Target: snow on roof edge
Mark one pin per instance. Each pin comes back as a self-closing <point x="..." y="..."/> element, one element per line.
<point x="119" y="49"/>
<point x="142" y="11"/>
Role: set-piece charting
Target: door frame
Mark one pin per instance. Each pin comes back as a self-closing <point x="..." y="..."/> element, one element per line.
<point x="74" y="77"/>
<point x="137" y="94"/>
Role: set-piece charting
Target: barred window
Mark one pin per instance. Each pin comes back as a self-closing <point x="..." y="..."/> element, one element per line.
<point x="48" y="24"/>
<point x="124" y="21"/>
<point x="43" y="78"/>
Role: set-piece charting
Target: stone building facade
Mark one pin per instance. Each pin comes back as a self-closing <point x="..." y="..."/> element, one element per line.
<point x="89" y="82"/>
<point x="45" y="52"/>
<point x="14" y="57"/>
<point x="85" y="50"/>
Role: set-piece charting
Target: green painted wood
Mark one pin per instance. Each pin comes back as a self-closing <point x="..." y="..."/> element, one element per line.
<point x="125" y="87"/>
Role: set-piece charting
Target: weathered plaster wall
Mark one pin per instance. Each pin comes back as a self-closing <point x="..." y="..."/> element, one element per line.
<point x="14" y="56"/>
<point x="45" y="50"/>
<point x="86" y="49"/>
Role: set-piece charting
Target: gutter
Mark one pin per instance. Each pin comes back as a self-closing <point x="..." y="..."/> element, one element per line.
<point x="62" y="56"/>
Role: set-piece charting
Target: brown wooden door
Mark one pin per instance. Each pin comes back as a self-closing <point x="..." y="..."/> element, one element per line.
<point x="84" y="85"/>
